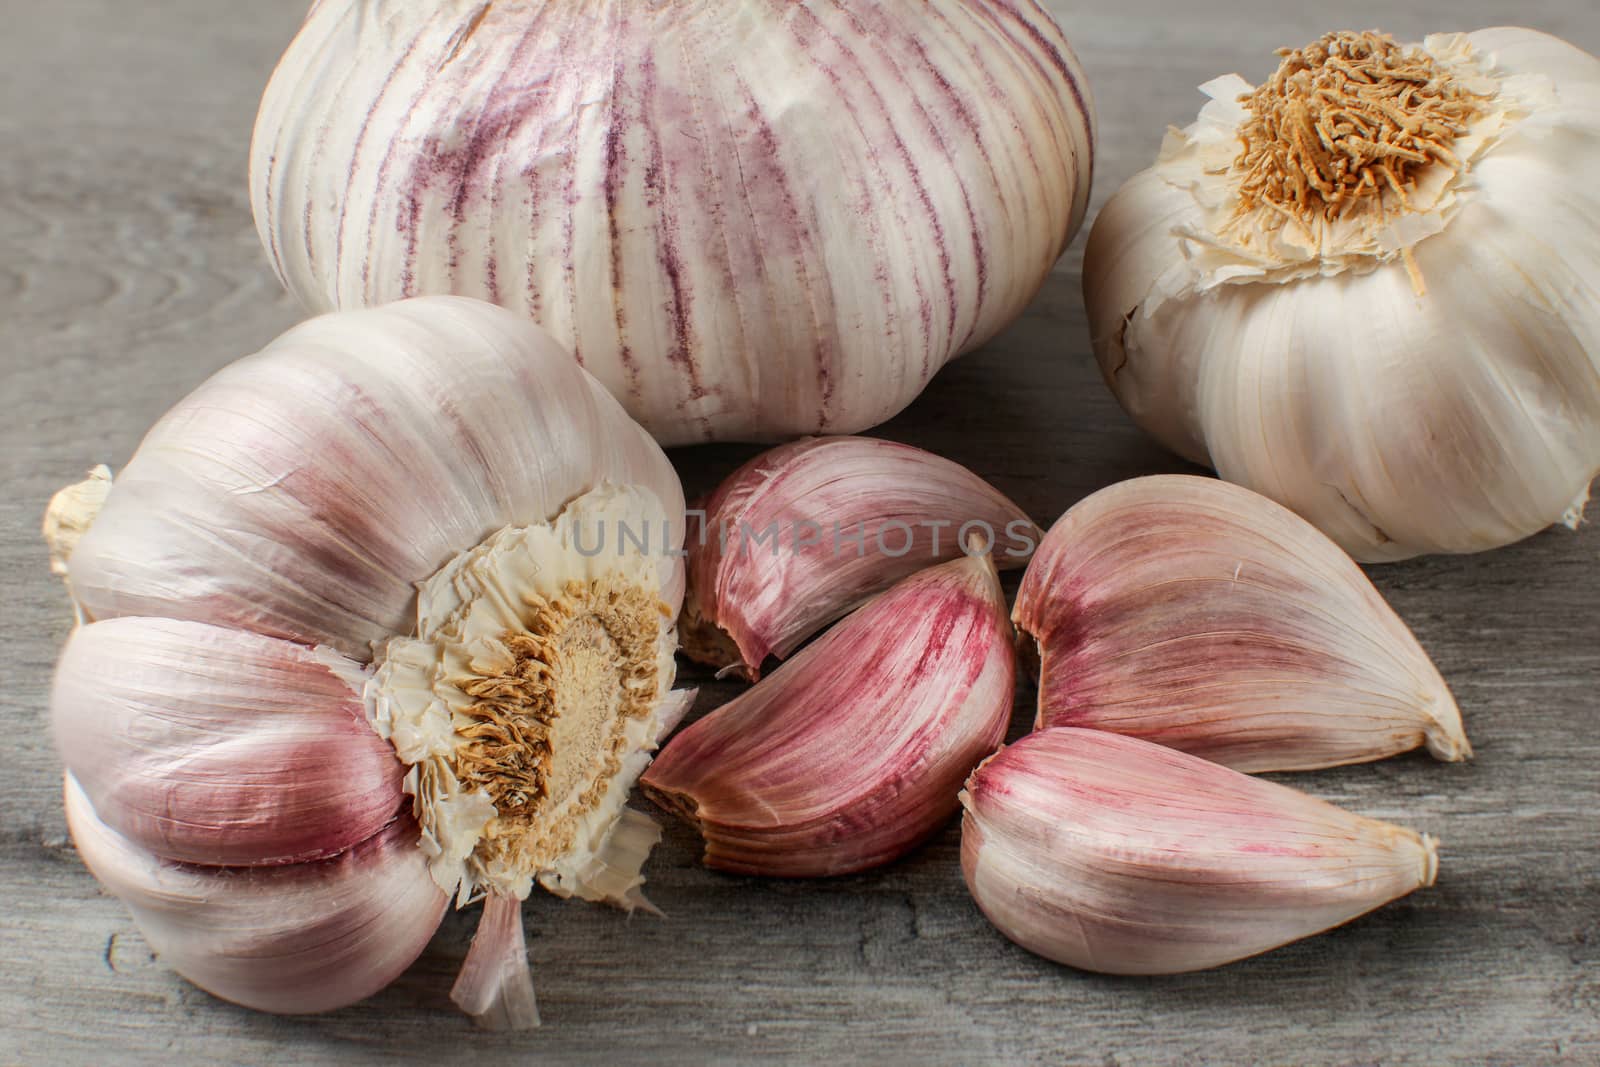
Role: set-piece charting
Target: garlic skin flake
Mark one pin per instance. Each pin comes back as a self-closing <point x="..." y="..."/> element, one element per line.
<point x="436" y="483"/>
<point x="1196" y="614"/>
<point x="1111" y="854"/>
<point x="1416" y="374"/>
<point x="853" y="752"/>
<point x="798" y="536"/>
<point x="641" y="179"/>
<point x="221" y="747"/>
<point x="305" y="937"/>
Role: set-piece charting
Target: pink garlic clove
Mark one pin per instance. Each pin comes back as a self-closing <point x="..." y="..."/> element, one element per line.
<point x="849" y="517"/>
<point x="1196" y="614"/>
<point x="853" y="752"/>
<point x="305" y="937"/>
<point x="1112" y="854"/>
<point x="220" y="747"/>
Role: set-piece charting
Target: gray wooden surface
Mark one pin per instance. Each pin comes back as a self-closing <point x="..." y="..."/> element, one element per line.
<point x="131" y="271"/>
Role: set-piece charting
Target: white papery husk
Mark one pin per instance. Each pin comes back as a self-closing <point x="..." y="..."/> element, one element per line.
<point x="646" y="181"/>
<point x="1452" y="408"/>
<point x="281" y="519"/>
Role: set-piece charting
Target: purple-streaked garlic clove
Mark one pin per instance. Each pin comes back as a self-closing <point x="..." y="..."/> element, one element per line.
<point x="297" y="938"/>
<point x="800" y="535"/>
<point x="221" y="747"/>
<point x="1112" y="854"/>
<point x="853" y="752"/>
<point x="1199" y="615"/>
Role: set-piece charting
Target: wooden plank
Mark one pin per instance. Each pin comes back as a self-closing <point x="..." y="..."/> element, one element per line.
<point x="132" y="272"/>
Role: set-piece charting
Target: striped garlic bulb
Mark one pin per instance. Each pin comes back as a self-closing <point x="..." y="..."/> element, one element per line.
<point x="750" y="219"/>
<point x="361" y="635"/>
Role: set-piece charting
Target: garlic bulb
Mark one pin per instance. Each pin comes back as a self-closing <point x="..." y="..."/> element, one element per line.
<point x="1199" y="615"/>
<point x="643" y="180"/>
<point x="1367" y="289"/>
<point x="853" y="752"/>
<point x="801" y="534"/>
<point x="1111" y="854"/>
<point x="434" y="487"/>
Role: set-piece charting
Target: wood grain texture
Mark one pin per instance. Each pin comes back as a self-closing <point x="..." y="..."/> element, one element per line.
<point x="132" y="271"/>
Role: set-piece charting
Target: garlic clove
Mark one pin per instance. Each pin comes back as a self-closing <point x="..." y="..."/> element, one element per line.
<point x="1193" y="613"/>
<point x="304" y="492"/>
<point x="853" y="752"/>
<point x="304" y="937"/>
<point x="219" y="747"/>
<point x="800" y="535"/>
<point x="1111" y="854"/>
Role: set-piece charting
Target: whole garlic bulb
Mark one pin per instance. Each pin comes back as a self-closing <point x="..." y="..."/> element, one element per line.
<point x="1373" y="296"/>
<point x="751" y="221"/>
<point x="365" y="631"/>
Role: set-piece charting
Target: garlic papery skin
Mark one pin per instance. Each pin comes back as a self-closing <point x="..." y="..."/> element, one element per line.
<point x="303" y="492"/>
<point x="436" y="484"/>
<point x="1415" y="374"/>
<point x="642" y="180"/>
<point x="495" y="986"/>
<point x="1111" y="854"/>
<point x="1196" y="614"/>
<point x="853" y="752"/>
<point x="221" y="747"/>
<point x="798" y="536"/>
<point x="307" y="937"/>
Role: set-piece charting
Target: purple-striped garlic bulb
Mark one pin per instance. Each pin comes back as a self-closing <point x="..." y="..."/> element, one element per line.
<point x="375" y="619"/>
<point x="801" y="534"/>
<point x="751" y="219"/>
